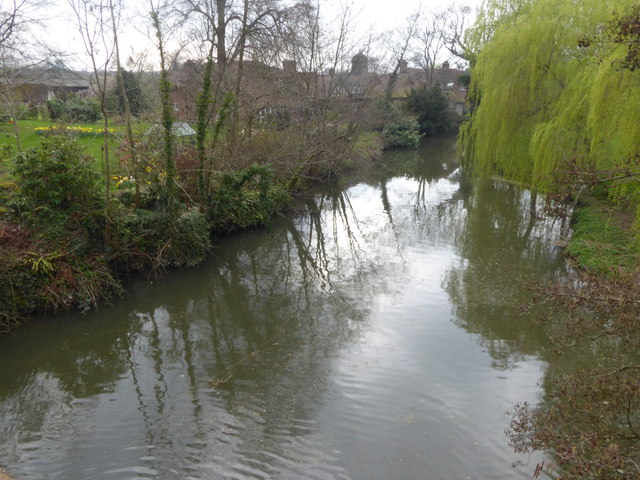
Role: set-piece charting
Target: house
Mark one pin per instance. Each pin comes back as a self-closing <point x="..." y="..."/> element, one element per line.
<point x="268" y="95"/>
<point x="279" y="95"/>
<point x="33" y="86"/>
<point x="361" y="84"/>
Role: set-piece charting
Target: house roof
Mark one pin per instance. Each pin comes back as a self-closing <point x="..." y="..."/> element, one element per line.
<point x="374" y="84"/>
<point x="52" y="77"/>
<point x="178" y="129"/>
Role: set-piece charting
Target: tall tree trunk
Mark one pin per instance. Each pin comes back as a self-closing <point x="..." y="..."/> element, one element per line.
<point x="167" y="118"/>
<point x="203" y="103"/>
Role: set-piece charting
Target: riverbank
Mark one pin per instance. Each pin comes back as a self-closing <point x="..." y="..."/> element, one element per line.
<point x="63" y="247"/>
<point x="590" y="416"/>
<point x="603" y="240"/>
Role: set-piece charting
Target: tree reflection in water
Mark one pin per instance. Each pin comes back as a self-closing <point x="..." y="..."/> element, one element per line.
<point x="224" y="370"/>
<point x="504" y="251"/>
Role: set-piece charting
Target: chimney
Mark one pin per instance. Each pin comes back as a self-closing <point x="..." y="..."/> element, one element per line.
<point x="445" y="65"/>
<point x="289" y="66"/>
<point x="402" y="66"/>
<point x="359" y="64"/>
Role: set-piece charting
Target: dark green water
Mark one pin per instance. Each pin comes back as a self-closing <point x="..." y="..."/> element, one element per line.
<point x="375" y="334"/>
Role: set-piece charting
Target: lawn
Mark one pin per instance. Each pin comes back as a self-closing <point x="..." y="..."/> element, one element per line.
<point x="91" y="141"/>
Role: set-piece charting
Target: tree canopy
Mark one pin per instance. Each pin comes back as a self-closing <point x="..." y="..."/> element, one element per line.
<point x="135" y="96"/>
<point x="552" y="83"/>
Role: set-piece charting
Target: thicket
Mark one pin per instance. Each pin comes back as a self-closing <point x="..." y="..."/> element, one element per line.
<point x="71" y="108"/>
<point x="56" y="252"/>
<point x="555" y="89"/>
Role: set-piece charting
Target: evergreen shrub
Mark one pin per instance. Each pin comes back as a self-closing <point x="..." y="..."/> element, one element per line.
<point x="401" y="133"/>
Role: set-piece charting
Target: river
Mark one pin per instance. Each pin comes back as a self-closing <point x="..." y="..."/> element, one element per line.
<point x="376" y="332"/>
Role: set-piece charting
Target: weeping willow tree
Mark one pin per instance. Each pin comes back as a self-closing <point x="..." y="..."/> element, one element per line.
<point x="550" y="86"/>
<point x="556" y="91"/>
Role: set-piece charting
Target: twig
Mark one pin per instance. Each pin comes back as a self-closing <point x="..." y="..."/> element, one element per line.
<point x="633" y="430"/>
<point x="621" y="369"/>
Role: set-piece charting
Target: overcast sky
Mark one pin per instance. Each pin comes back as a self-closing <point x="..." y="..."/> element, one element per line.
<point x="385" y="14"/>
<point x="374" y="16"/>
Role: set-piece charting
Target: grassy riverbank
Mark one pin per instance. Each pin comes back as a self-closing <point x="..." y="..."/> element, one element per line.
<point x="604" y="240"/>
<point x="590" y="416"/>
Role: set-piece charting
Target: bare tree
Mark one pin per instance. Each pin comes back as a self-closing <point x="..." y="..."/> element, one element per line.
<point x="165" y="104"/>
<point x="400" y="50"/>
<point x="19" y="55"/>
<point x="457" y="18"/>
<point x="430" y="43"/>
<point x="94" y="18"/>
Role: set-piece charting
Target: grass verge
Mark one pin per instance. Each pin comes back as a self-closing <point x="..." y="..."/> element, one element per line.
<point x="603" y="240"/>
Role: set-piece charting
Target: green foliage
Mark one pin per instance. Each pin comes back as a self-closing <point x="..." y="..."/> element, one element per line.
<point x="550" y="88"/>
<point x="167" y="115"/>
<point x="54" y="178"/>
<point x="401" y="133"/>
<point x="159" y="239"/>
<point x="431" y="106"/>
<point x="245" y="198"/>
<point x="73" y="108"/>
<point x="135" y="96"/>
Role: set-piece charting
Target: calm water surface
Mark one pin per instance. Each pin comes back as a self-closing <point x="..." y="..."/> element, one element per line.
<point x="375" y="334"/>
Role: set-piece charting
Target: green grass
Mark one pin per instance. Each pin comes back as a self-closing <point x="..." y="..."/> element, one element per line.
<point x="603" y="240"/>
<point x="29" y="138"/>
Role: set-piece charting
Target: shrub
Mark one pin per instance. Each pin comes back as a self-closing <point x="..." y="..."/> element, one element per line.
<point x="159" y="239"/>
<point x="431" y="106"/>
<point x="246" y="198"/>
<point x="135" y="95"/>
<point x="55" y="178"/>
<point x="73" y="108"/>
<point x="191" y="238"/>
<point x="42" y="273"/>
<point x="402" y="133"/>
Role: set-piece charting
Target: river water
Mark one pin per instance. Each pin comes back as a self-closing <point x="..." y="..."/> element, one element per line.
<point x="374" y="333"/>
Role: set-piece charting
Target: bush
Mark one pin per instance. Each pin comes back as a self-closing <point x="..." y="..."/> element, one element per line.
<point x="246" y="198"/>
<point x="159" y="239"/>
<point x="55" y="178"/>
<point x="401" y="133"/>
<point x="431" y="106"/>
<point x="41" y="272"/>
<point x="73" y="108"/>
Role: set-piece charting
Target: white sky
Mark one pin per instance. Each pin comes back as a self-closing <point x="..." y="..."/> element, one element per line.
<point x="385" y="14"/>
<point x="375" y="16"/>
